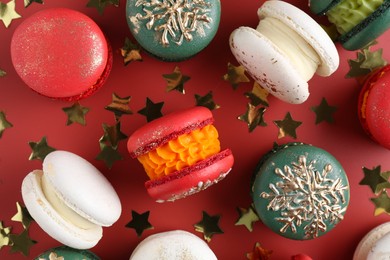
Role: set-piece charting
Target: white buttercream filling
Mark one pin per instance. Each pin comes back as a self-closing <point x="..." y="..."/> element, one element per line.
<point x="303" y="57"/>
<point x="60" y="206"/>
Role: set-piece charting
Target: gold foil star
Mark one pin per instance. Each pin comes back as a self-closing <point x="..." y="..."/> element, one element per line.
<point x="247" y="217"/>
<point x="4" y="235"/>
<point x="21" y="242"/>
<point x="258" y="95"/>
<point x="100" y="5"/>
<point x="373" y="59"/>
<point x="376" y="180"/>
<point x="176" y="80"/>
<point x="130" y="52"/>
<point x="259" y="253"/>
<point x="27" y="3"/>
<point x="208" y="226"/>
<point x="2" y="73"/>
<point x="4" y="123"/>
<point x="8" y="13"/>
<point x="152" y="110"/>
<point x="139" y="222"/>
<point x="112" y="134"/>
<point x="108" y="155"/>
<point x="253" y="116"/>
<point x="235" y="75"/>
<point x="22" y="216"/>
<point x="287" y="126"/>
<point x="324" y="112"/>
<point x="206" y="101"/>
<point x="76" y="114"/>
<point x="382" y="203"/>
<point x="365" y="62"/>
<point x="40" y="149"/>
<point x="119" y="106"/>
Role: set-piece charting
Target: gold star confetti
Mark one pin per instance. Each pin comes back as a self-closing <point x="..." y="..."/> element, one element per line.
<point x="152" y="110"/>
<point x="382" y="203"/>
<point x="259" y="253"/>
<point x="130" y="52"/>
<point x="40" y="149"/>
<point x="2" y="73"/>
<point x="22" y="216"/>
<point x="247" y="217"/>
<point x="4" y="235"/>
<point x="139" y="222"/>
<point x="21" y="243"/>
<point x="206" y="101"/>
<point x="108" y="155"/>
<point x="376" y="180"/>
<point x="100" y="5"/>
<point x="258" y="95"/>
<point x="76" y="114"/>
<point x="8" y="13"/>
<point x="176" y="80"/>
<point x="235" y="75"/>
<point x="253" y="116"/>
<point x="27" y="3"/>
<point x="373" y="59"/>
<point x="287" y="126"/>
<point x="324" y="112"/>
<point x="4" y="123"/>
<point x="119" y="106"/>
<point x="112" y="134"/>
<point x="208" y="226"/>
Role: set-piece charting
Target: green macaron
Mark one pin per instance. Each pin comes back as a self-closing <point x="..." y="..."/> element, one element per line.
<point x="173" y="30"/>
<point x="300" y="191"/>
<point x="67" y="253"/>
<point x="358" y="22"/>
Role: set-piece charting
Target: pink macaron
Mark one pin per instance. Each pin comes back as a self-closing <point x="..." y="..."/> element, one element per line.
<point x="180" y="153"/>
<point x="61" y="53"/>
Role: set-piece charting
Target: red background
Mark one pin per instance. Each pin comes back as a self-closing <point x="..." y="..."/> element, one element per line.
<point x="34" y="116"/>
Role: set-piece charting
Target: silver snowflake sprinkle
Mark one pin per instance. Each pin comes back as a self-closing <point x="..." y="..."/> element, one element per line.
<point x="306" y="195"/>
<point x="175" y="20"/>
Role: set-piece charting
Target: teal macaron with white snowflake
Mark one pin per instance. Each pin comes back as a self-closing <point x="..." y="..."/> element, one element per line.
<point x="173" y="30"/>
<point x="300" y="191"/>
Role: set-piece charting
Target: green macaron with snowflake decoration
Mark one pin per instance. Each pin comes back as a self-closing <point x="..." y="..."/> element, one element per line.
<point x="300" y="191"/>
<point x="173" y="30"/>
<point x="65" y="252"/>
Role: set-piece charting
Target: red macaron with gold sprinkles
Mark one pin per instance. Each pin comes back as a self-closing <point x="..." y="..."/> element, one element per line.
<point x="61" y="53"/>
<point x="180" y="153"/>
<point x="374" y="106"/>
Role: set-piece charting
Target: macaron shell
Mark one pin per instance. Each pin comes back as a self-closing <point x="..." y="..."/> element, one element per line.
<point x="161" y="130"/>
<point x="308" y="29"/>
<point x="320" y="7"/>
<point x="173" y="245"/>
<point x="192" y="179"/>
<point x="370" y="239"/>
<point x="59" y="52"/>
<point x="50" y="221"/>
<point x="266" y="63"/>
<point x="176" y="50"/>
<point x="368" y="30"/>
<point x="275" y="205"/>
<point x="82" y="187"/>
<point x="67" y="253"/>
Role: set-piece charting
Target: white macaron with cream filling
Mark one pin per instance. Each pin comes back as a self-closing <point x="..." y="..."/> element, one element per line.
<point x="71" y="200"/>
<point x="284" y="51"/>
<point x="173" y="245"/>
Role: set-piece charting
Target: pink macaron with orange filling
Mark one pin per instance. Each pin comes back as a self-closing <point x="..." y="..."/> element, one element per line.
<point x="180" y="153"/>
<point x="61" y="53"/>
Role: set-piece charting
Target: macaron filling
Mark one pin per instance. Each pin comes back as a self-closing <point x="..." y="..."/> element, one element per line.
<point x="349" y="13"/>
<point x="186" y="150"/>
<point x="301" y="54"/>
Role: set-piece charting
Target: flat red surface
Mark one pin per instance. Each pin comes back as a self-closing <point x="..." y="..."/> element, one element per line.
<point x="34" y="116"/>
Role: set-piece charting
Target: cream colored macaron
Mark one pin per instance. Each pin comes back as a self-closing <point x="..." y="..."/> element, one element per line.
<point x="71" y="200"/>
<point x="375" y="244"/>
<point x="284" y="51"/>
<point x="173" y="245"/>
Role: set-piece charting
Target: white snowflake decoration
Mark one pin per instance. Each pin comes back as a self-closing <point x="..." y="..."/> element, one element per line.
<point x="306" y="196"/>
<point x="180" y="18"/>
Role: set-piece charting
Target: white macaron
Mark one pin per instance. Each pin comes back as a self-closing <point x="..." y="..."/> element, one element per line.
<point x="284" y="51"/>
<point x="173" y="245"/>
<point x="375" y="244"/>
<point x="71" y="200"/>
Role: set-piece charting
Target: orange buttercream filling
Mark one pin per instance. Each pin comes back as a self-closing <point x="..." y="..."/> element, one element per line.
<point x="185" y="150"/>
